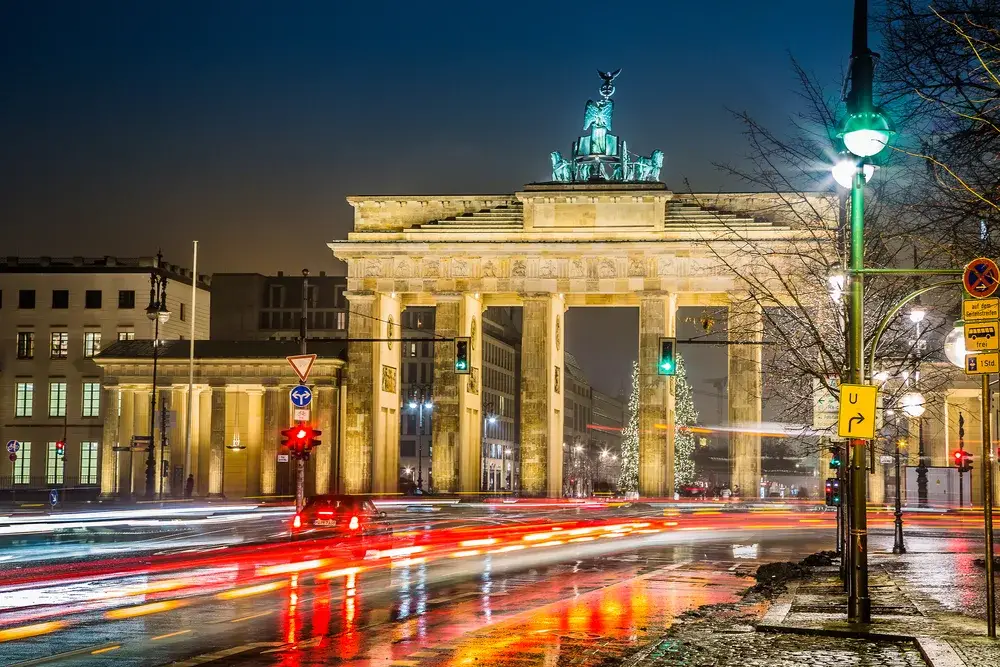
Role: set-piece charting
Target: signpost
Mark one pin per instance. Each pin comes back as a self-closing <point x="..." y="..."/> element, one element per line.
<point x="301" y="396"/>
<point x="302" y="364"/>
<point x="12" y="456"/>
<point x="857" y="411"/>
<point x="981" y="279"/>
<point x="13" y="446"/>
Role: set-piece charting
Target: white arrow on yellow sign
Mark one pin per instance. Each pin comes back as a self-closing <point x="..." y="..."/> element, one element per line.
<point x="857" y="411"/>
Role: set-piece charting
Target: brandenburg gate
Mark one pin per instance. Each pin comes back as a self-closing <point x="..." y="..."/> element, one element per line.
<point x="603" y="232"/>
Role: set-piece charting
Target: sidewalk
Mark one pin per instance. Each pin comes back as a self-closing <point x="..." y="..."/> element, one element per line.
<point x="904" y="609"/>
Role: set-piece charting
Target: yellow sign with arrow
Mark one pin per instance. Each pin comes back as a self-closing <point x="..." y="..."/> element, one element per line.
<point x="857" y="411"/>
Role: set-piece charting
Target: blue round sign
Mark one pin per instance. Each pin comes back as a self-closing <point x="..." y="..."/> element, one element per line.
<point x="301" y="396"/>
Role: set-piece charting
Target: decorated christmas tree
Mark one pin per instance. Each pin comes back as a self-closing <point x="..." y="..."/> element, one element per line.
<point x="628" y="482"/>
<point x="685" y="416"/>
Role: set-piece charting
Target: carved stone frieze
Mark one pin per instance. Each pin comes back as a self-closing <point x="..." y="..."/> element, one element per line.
<point x="388" y="379"/>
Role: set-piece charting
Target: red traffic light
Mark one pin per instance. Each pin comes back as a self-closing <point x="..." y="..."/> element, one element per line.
<point x="959" y="457"/>
<point x="301" y="434"/>
<point x="300" y="439"/>
<point x="60" y="448"/>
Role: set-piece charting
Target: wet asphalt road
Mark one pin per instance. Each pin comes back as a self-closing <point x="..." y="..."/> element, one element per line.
<point x="532" y="606"/>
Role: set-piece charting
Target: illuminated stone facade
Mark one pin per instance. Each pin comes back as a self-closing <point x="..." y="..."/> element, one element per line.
<point x="548" y="248"/>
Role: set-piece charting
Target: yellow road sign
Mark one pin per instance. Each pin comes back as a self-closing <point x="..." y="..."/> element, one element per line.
<point x="984" y="309"/>
<point x="980" y="336"/>
<point x="985" y="362"/>
<point x="857" y="411"/>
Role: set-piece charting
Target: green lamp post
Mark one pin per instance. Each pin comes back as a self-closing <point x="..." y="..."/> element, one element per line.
<point x="865" y="132"/>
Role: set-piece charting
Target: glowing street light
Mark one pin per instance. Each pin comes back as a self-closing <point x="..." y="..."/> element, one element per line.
<point x="913" y="404"/>
<point x="954" y="347"/>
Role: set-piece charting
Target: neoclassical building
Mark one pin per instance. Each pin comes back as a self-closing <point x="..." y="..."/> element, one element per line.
<point x="239" y="407"/>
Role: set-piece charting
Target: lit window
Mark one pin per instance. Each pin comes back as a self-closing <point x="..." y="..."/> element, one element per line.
<point x="25" y="344"/>
<point x="57" y="399"/>
<point x="24" y="399"/>
<point x="91" y="399"/>
<point x="91" y="343"/>
<point x="59" y="344"/>
<point x="88" y="462"/>
<point x="126" y="334"/>
<point x="22" y="466"/>
<point x="53" y="466"/>
<point x="341" y="320"/>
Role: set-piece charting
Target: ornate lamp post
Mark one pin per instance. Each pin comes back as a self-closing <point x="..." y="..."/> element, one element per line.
<point x="157" y="313"/>
<point x="865" y="132"/>
<point x="421" y="401"/>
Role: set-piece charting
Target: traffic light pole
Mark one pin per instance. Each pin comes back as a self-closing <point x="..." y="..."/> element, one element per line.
<point x="300" y="459"/>
<point x="987" y="466"/>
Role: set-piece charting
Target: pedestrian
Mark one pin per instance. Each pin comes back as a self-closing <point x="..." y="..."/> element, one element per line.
<point x="189" y="486"/>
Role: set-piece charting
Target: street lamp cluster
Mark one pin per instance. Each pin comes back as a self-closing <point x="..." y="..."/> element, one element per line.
<point x="158" y="314"/>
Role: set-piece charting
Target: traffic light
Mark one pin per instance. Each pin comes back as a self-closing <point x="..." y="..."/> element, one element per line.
<point x="61" y="448"/>
<point x="835" y="458"/>
<point x="966" y="462"/>
<point x="833" y="497"/>
<point x="959" y="458"/>
<point x="462" y="364"/>
<point x="668" y="362"/>
<point x="300" y="440"/>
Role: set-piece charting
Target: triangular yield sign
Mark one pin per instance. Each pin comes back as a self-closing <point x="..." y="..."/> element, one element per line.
<point x="302" y="364"/>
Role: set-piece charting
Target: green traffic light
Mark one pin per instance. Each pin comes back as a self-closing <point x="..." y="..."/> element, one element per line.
<point x="666" y="365"/>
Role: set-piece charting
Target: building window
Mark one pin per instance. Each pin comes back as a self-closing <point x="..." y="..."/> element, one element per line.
<point x="183" y="313"/>
<point x="341" y="321"/>
<point x="22" y="466"/>
<point x="126" y="334"/>
<point x="25" y="344"/>
<point x="57" y="398"/>
<point x="60" y="298"/>
<point x="276" y="296"/>
<point x="91" y="343"/>
<point x="92" y="299"/>
<point x="91" y="399"/>
<point x="413" y="349"/>
<point x="24" y="399"/>
<point x="126" y="299"/>
<point x="26" y="299"/>
<point x="88" y="462"/>
<point x="53" y="466"/>
<point x="312" y="295"/>
<point x="59" y="344"/>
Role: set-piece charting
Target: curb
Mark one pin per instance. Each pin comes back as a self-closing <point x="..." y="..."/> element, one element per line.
<point x="935" y="652"/>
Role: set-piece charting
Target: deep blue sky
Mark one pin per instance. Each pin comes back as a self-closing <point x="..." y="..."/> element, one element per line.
<point x="129" y="125"/>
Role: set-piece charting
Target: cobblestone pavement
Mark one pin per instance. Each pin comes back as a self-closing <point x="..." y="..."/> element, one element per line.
<point x="978" y="652"/>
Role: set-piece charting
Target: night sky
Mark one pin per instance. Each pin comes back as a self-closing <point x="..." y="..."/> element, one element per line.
<point x="126" y="126"/>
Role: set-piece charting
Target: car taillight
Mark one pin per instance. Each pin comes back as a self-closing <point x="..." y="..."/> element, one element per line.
<point x="297" y="521"/>
<point x="354" y="523"/>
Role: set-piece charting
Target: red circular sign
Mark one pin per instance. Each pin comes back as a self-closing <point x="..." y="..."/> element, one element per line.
<point x="981" y="278"/>
<point x="12" y="456"/>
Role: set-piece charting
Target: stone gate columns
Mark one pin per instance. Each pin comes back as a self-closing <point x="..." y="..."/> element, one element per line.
<point x="542" y="363"/>
<point x="657" y="318"/>
<point x="371" y="450"/>
<point x="255" y="433"/>
<point x="217" y="441"/>
<point x="457" y="422"/>
<point x="325" y="410"/>
<point x="109" y="436"/>
<point x="745" y="326"/>
<point x="275" y="416"/>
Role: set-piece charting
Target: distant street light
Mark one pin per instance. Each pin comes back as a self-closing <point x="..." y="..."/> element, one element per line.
<point x="913" y="404"/>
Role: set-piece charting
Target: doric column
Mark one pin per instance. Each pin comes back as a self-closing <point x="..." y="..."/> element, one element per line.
<point x="371" y="450"/>
<point x="457" y="422"/>
<point x="109" y="438"/>
<point x="275" y="416"/>
<point x="126" y="429"/>
<point x="140" y="426"/>
<point x="745" y="326"/>
<point x="542" y="398"/>
<point x="324" y="417"/>
<point x="217" y="443"/>
<point x="164" y="438"/>
<point x="657" y="318"/>
<point x="255" y="433"/>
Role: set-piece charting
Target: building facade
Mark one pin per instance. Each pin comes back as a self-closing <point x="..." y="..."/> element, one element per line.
<point x="607" y="422"/>
<point x="56" y="315"/>
<point x="239" y="404"/>
<point x="501" y="374"/>
<point x="417" y="392"/>
<point x="578" y="445"/>
<point x="251" y="306"/>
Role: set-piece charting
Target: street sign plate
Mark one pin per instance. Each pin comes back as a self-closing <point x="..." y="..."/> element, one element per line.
<point x="121" y="448"/>
<point x="139" y="439"/>
<point x="885" y="459"/>
<point x="54" y="497"/>
<point x="857" y="411"/>
<point x="301" y="396"/>
<point x="985" y="362"/>
<point x="12" y="456"/>
<point x="824" y="405"/>
<point x="983" y="309"/>
<point x="300" y="414"/>
<point x="282" y="458"/>
<point x="982" y="336"/>
<point x="302" y="364"/>
<point x="981" y="278"/>
<point x="13" y="446"/>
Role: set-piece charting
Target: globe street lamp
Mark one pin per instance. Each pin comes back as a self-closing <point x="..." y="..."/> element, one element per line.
<point x="865" y="133"/>
<point x="158" y="314"/>
<point x="954" y="347"/>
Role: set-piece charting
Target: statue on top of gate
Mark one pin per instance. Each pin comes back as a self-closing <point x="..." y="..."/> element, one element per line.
<point x="600" y="156"/>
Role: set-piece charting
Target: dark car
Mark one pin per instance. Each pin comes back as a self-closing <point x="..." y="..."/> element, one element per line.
<point x="353" y="519"/>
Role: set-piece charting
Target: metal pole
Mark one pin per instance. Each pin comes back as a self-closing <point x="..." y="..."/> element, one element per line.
<point x="163" y="442"/>
<point x="991" y="611"/>
<point x="190" y="394"/>
<point x="420" y="443"/>
<point x="300" y="461"/>
<point x="151" y="452"/>
<point x="922" y="490"/>
<point x="961" y="467"/>
<point x="858" y="604"/>
<point x="897" y="544"/>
